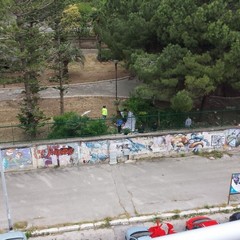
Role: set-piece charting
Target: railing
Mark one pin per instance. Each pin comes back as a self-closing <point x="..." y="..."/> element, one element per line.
<point x="144" y="123"/>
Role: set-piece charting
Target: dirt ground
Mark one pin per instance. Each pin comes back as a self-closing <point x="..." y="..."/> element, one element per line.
<point x="93" y="70"/>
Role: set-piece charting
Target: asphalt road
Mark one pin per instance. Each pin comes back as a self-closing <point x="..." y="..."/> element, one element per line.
<point x="48" y="197"/>
<point x="101" y="88"/>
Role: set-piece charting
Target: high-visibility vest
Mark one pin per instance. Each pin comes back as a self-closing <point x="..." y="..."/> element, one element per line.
<point x="104" y="112"/>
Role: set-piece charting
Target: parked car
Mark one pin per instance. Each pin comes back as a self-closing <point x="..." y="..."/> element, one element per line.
<point x="13" y="235"/>
<point x="234" y="217"/>
<point x="199" y="222"/>
<point x="144" y="233"/>
<point x="137" y="233"/>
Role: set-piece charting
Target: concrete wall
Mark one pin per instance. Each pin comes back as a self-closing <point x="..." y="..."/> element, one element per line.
<point x="117" y="148"/>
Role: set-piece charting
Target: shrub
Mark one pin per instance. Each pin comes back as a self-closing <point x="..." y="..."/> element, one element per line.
<point x="105" y="55"/>
<point x="71" y="124"/>
<point x="182" y="102"/>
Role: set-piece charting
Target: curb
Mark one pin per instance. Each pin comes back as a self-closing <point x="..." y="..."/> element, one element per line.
<point x="132" y="220"/>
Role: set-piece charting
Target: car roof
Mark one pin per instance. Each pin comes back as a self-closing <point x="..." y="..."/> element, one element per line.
<point x="13" y="235"/>
<point x="209" y="223"/>
<point x="235" y="216"/>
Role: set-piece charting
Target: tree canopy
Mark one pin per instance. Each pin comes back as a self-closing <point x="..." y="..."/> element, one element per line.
<point x="190" y="45"/>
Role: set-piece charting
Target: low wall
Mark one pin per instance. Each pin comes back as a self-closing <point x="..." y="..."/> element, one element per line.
<point x="117" y="148"/>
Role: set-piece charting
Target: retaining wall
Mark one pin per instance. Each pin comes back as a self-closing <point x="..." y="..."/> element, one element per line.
<point x="114" y="149"/>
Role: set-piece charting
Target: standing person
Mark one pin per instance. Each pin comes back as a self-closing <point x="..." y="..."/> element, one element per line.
<point x="119" y="122"/>
<point x="188" y="122"/>
<point x="124" y="115"/>
<point x="131" y="122"/>
<point x="104" y="112"/>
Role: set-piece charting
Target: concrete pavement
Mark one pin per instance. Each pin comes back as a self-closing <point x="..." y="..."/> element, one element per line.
<point x="89" y="196"/>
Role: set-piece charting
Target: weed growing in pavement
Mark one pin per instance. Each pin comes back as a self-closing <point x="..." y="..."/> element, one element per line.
<point x="226" y="211"/>
<point x="107" y="221"/>
<point x="158" y="219"/>
<point x="212" y="154"/>
<point x="20" y="225"/>
<point x="28" y="234"/>
<point x="176" y="211"/>
<point x="176" y="216"/>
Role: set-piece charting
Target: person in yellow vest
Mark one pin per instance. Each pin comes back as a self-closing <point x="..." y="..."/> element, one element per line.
<point x="104" y="112"/>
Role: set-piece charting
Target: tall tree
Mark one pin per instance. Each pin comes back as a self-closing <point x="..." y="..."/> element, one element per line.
<point x="177" y="45"/>
<point x="62" y="52"/>
<point x="59" y="60"/>
<point x="29" y="47"/>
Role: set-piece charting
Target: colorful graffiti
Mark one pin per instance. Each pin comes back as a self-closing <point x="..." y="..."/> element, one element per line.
<point x="218" y="140"/>
<point x="122" y="148"/>
<point x="110" y="151"/>
<point x="16" y="158"/>
<point x="56" y="155"/>
<point x="232" y="137"/>
<point x="94" y="152"/>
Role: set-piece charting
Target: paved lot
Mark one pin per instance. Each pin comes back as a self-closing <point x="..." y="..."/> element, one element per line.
<point x="92" y="193"/>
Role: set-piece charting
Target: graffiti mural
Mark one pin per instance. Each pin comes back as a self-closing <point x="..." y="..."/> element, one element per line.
<point x="116" y="150"/>
<point x="56" y="155"/>
<point x="123" y="148"/>
<point x="94" y="152"/>
<point x="16" y="158"/>
<point x="218" y="140"/>
<point x="198" y="141"/>
<point x="232" y="138"/>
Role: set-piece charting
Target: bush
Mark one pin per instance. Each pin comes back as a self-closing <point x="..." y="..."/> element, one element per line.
<point x="182" y="102"/>
<point x="71" y="124"/>
<point x="105" y="55"/>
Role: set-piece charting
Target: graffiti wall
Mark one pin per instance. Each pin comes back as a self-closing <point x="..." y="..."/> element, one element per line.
<point x="232" y="138"/>
<point x="56" y="155"/>
<point x="94" y="152"/>
<point x="16" y="158"/>
<point x="117" y="150"/>
<point x="123" y="149"/>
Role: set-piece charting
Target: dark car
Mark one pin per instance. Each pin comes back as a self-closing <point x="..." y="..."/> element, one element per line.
<point x="234" y="217"/>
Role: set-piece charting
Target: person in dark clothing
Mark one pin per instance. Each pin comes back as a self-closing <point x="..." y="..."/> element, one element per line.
<point x="119" y="122"/>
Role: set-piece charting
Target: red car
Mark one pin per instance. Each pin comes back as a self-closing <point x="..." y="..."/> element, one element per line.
<point x="199" y="222"/>
<point x="161" y="229"/>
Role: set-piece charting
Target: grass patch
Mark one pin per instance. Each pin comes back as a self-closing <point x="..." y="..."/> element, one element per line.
<point x="20" y="225"/>
<point x="212" y="154"/>
<point x="107" y="221"/>
<point x="176" y="216"/>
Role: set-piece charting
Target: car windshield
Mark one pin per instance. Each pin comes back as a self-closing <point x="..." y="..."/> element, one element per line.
<point x="140" y="234"/>
<point x="18" y="238"/>
<point x="201" y="220"/>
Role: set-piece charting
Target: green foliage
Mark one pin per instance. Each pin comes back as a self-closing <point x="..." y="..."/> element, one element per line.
<point x="105" y="55"/>
<point x="182" y="102"/>
<point x="176" y="45"/>
<point x="139" y="105"/>
<point x="70" y="124"/>
<point x="31" y="120"/>
<point x="28" y="234"/>
<point x="26" y="48"/>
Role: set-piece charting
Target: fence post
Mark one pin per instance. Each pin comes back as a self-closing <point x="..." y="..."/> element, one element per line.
<point x="12" y="133"/>
<point x="158" y="121"/>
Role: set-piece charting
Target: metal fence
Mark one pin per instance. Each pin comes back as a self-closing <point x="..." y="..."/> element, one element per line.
<point x="144" y="123"/>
